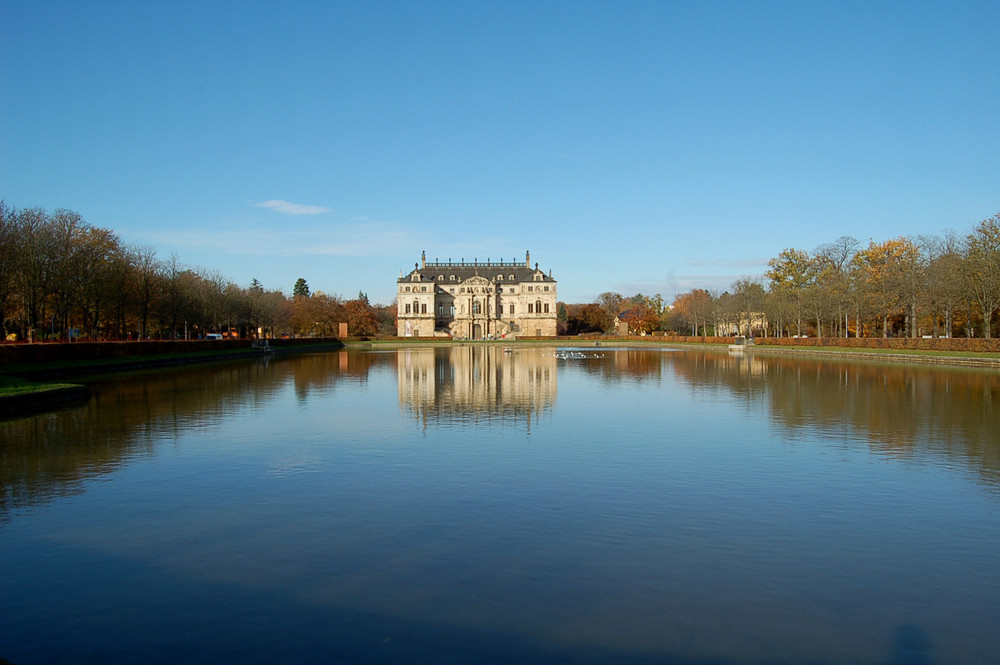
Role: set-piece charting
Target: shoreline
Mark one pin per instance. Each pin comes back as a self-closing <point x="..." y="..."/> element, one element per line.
<point x="50" y="397"/>
<point x="54" y="369"/>
<point x="42" y="399"/>
<point x="984" y="360"/>
<point x="45" y="399"/>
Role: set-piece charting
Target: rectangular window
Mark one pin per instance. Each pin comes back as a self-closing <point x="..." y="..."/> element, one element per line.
<point x="530" y="289"/>
<point x="440" y="310"/>
<point x="407" y="309"/>
<point x="511" y="309"/>
<point x="423" y="308"/>
<point x="546" y="288"/>
<point x="531" y="309"/>
<point x="546" y="308"/>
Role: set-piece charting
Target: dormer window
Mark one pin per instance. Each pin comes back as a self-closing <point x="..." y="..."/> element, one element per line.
<point x="499" y="278"/>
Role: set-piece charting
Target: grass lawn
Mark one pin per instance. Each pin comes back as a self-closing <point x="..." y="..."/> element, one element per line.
<point x="10" y="385"/>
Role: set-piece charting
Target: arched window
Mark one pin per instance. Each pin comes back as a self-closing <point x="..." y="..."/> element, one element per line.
<point x="538" y="307"/>
<point x="416" y="306"/>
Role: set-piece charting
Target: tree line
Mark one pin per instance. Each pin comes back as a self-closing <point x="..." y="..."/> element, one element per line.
<point x="62" y="278"/>
<point x="941" y="286"/>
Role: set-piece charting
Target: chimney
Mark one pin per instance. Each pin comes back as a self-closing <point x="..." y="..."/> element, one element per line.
<point x="527" y="259"/>
<point x="423" y="260"/>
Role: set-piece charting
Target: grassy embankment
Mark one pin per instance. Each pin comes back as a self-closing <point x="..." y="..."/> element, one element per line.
<point x="18" y="392"/>
<point x="11" y="385"/>
<point x="30" y="377"/>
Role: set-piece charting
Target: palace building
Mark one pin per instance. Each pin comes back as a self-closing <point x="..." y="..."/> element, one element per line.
<point x="476" y="300"/>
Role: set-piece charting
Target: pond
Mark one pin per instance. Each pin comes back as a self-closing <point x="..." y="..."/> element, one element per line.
<point x="474" y="504"/>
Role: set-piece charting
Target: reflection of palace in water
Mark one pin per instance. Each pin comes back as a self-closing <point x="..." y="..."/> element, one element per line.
<point x="475" y="383"/>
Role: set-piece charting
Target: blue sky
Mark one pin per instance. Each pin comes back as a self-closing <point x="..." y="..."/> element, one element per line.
<point x="646" y="147"/>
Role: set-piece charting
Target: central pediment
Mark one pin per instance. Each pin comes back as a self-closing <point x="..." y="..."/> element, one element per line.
<point x="477" y="280"/>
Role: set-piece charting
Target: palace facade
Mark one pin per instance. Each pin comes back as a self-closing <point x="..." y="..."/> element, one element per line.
<point x="476" y="300"/>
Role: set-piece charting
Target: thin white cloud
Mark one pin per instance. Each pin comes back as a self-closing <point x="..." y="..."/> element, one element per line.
<point x="280" y="205"/>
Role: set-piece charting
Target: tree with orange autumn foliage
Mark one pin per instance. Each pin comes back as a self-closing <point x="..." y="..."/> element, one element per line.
<point x="887" y="274"/>
<point x="586" y="318"/>
<point x="695" y="308"/>
<point x="360" y="318"/>
<point x="642" y="318"/>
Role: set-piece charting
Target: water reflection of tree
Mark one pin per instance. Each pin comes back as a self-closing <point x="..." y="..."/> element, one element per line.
<point x="622" y="365"/>
<point x="51" y="455"/>
<point x="321" y="371"/>
<point x="897" y="410"/>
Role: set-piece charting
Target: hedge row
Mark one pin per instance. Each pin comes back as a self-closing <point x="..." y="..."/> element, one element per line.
<point x="976" y="344"/>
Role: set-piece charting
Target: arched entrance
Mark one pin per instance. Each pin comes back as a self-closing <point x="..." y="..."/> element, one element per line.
<point x="477" y="331"/>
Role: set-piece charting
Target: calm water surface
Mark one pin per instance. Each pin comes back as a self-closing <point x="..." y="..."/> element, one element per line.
<point x="464" y="505"/>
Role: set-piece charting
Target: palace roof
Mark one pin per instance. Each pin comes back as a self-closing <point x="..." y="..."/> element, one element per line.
<point x="456" y="272"/>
